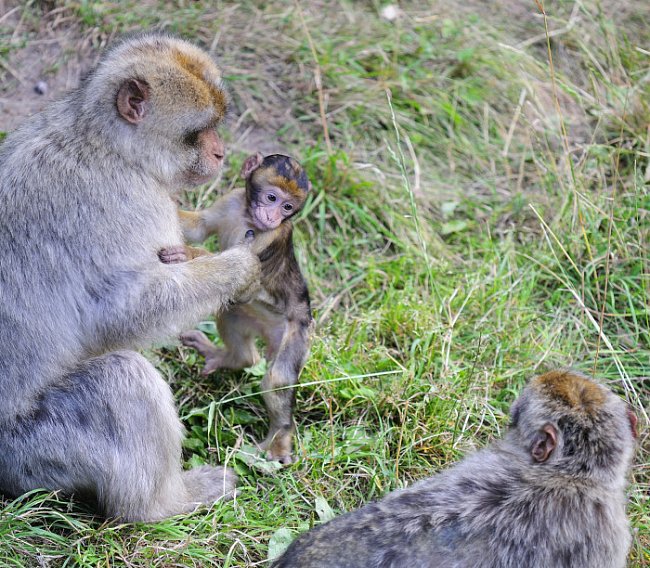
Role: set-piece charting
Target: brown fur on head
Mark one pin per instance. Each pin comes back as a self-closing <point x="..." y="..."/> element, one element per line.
<point x="206" y="81"/>
<point x="578" y="393"/>
<point x="184" y="80"/>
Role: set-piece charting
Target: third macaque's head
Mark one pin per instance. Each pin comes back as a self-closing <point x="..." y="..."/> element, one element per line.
<point x="572" y="423"/>
<point x="276" y="189"/>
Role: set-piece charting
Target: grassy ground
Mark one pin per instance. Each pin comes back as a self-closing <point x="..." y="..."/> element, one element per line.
<point x="478" y="216"/>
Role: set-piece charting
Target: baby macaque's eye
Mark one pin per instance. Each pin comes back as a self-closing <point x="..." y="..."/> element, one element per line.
<point x="271" y="197"/>
<point x="288" y="207"/>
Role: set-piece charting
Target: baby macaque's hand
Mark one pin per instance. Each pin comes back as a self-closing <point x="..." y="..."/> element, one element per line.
<point x="248" y="239"/>
<point x="173" y="255"/>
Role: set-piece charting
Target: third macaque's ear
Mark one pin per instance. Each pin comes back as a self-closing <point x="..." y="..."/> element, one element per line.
<point x="544" y="442"/>
<point x="633" y="422"/>
<point x="251" y="164"/>
<point x="132" y="100"/>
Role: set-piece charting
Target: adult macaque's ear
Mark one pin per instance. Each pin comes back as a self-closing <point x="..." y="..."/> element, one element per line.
<point x="132" y="100"/>
<point x="544" y="442"/>
<point x="251" y="164"/>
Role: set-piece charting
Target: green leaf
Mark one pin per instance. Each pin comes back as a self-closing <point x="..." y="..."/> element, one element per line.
<point x="257" y="370"/>
<point x="448" y="207"/>
<point x="208" y="327"/>
<point x="195" y="461"/>
<point x="279" y="542"/>
<point x="254" y="459"/>
<point x="323" y="510"/>
<point x="465" y="55"/>
<point x="450" y="227"/>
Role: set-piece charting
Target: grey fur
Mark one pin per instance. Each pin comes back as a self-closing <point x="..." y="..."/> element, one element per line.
<point x="499" y="508"/>
<point x="87" y="202"/>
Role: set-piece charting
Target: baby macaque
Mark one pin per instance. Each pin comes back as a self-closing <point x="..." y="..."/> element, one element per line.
<point x="550" y="494"/>
<point x="280" y="313"/>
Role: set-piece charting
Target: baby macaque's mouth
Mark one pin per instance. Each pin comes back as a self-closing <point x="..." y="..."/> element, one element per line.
<point x="261" y="223"/>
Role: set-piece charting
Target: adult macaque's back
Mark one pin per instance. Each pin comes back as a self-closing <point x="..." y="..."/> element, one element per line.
<point x="86" y="190"/>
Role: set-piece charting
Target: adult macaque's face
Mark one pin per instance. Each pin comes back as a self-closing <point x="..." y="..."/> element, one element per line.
<point x="209" y="159"/>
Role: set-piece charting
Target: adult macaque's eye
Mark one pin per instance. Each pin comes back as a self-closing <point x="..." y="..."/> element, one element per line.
<point x="191" y="138"/>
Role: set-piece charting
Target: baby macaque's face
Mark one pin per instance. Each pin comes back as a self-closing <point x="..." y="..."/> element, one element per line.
<point x="273" y="205"/>
<point x="276" y="189"/>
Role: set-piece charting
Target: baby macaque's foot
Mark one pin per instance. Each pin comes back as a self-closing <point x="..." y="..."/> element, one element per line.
<point x="198" y="340"/>
<point x="278" y="447"/>
<point x="215" y="357"/>
<point x="214" y="362"/>
<point x="222" y="358"/>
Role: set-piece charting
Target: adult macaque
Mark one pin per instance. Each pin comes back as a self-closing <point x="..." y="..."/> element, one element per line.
<point x="276" y="189"/>
<point x="550" y="494"/>
<point x="87" y="193"/>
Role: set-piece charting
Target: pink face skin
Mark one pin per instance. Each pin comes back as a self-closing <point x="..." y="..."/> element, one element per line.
<point x="211" y="154"/>
<point x="273" y="206"/>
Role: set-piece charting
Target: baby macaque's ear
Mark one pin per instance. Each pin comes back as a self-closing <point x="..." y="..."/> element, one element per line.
<point x="251" y="164"/>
